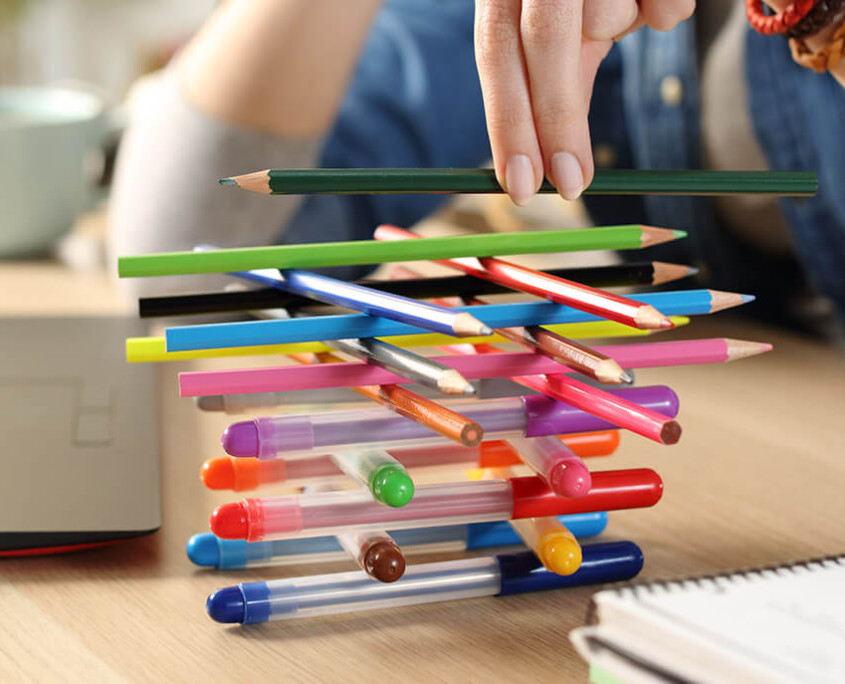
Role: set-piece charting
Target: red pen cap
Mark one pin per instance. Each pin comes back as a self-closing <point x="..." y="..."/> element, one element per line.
<point x="611" y="490"/>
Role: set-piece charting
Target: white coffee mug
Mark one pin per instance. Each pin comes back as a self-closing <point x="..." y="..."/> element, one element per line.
<point x="47" y="135"/>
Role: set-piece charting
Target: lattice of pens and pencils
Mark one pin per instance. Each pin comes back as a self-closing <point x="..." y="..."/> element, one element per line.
<point x="545" y="409"/>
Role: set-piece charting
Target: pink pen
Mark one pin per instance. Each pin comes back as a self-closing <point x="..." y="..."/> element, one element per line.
<point x="563" y="471"/>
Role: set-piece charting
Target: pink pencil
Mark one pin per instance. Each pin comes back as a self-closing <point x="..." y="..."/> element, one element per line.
<point x="282" y="378"/>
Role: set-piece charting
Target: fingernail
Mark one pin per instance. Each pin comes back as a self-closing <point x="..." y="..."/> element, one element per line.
<point x="519" y="179"/>
<point x="567" y="175"/>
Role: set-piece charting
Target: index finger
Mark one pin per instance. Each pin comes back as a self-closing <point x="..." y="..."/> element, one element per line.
<point x="551" y="43"/>
<point x="507" y="102"/>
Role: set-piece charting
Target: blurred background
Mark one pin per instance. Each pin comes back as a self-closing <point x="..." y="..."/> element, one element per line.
<point x="106" y="50"/>
<point x="47" y="41"/>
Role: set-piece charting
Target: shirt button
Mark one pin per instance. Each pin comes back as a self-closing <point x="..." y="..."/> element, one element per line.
<point x="671" y="91"/>
<point x="604" y="156"/>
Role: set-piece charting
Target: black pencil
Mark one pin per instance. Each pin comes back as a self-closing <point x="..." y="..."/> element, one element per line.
<point x="645" y="273"/>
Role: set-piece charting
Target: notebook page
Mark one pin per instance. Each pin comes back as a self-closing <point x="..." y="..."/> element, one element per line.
<point x="791" y="620"/>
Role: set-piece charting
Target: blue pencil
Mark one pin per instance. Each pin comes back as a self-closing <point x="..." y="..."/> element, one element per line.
<point x="439" y="319"/>
<point x="253" y="333"/>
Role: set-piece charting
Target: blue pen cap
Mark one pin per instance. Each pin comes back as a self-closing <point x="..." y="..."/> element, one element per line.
<point x="209" y="551"/>
<point x="608" y="562"/>
<point x="501" y="533"/>
<point x="202" y="550"/>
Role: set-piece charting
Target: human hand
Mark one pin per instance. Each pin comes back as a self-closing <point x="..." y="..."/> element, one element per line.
<point x="537" y="60"/>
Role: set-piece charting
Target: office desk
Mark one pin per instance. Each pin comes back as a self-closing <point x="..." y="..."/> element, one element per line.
<point x="757" y="478"/>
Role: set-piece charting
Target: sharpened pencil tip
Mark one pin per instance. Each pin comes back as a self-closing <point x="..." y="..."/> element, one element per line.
<point x="748" y="298"/>
<point x="227" y="181"/>
<point x="664" y="273"/>
<point x="740" y="349"/>
<point x="452" y="382"/>
<point x="649" y="318"/>
<point x="677" y="234"/>
<point x="466" y="325"/>
<point x="627" y="379"/>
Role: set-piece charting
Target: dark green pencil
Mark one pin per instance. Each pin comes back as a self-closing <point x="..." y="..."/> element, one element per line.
<point x="483" y="181"/>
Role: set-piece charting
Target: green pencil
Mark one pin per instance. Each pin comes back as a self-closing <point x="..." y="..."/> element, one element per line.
<point x="376" y="252"/>
<point x="613" y="182"/>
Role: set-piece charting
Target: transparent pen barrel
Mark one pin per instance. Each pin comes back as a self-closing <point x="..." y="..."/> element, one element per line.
<point x="352" y="591"/>
<point x="336" y="512"/>
<point x="292" y="434"/>
<point x="360" y="465"/>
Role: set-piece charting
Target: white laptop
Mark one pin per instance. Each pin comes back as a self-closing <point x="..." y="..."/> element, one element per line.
<point x="80" y="457"/>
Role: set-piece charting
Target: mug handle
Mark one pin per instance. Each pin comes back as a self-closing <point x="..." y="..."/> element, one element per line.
<point x="101" y="157"/>
<point x="99" y="163"/>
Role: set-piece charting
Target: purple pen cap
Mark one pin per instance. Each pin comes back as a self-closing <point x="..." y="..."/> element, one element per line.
<point x="269" y="436"/>
<point x="241" y="439"/>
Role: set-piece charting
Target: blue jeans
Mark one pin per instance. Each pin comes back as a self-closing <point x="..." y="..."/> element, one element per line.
<point x="415" y="101"/>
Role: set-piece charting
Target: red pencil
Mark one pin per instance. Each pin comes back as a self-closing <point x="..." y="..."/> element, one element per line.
<point x="582" y="297"/>
<point x="599" y="403"/>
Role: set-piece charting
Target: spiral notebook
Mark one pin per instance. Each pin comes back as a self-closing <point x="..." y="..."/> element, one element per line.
<point x="781" y="623"/>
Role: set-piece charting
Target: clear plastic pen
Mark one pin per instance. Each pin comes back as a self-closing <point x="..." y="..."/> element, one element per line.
<point x="381" y="474"/>
<point x="209" y="551"/>
<point x="528" y="416"/>
<point x="313" y="515"/>
<point x="301" y="597"/>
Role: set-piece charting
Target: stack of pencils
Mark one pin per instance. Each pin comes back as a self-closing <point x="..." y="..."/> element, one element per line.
<point x="523" y="420"/>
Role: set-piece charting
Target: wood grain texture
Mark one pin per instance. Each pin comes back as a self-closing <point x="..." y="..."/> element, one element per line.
<point x="756" y="479"/>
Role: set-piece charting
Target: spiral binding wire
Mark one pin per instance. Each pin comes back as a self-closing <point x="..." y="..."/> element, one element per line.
<point x="635" y="589"/>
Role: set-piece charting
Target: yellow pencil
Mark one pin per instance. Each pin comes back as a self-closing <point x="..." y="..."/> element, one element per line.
<point x="152" y="349"/>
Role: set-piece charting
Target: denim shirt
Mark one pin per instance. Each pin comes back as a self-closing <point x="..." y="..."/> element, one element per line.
<point x="415" y="101"/>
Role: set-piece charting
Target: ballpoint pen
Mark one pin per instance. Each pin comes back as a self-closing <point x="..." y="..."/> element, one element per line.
<point x="528" y="416"/>
<point x="313" y="515"/>
<point x="300" y="597"/>
<point x="207" y="550"/>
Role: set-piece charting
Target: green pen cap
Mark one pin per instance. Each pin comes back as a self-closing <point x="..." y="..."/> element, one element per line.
<point x="391" y="485"/>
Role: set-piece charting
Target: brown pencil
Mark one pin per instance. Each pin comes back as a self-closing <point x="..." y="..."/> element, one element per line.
<point x="577" y="356"/>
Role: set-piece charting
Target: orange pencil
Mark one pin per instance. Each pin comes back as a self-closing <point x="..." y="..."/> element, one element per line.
<point x="442" y="420"/>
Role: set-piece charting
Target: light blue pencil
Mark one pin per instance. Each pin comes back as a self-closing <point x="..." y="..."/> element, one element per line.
<point x="253" y="333"/>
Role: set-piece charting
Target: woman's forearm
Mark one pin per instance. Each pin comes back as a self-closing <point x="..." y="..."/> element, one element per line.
<point x="276" y="66"/>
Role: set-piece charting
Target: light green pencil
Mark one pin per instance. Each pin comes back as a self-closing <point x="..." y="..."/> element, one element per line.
<point x="376" y="252"/>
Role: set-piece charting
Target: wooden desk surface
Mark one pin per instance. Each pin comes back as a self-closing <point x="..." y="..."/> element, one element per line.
<point x="756" y="479"/>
